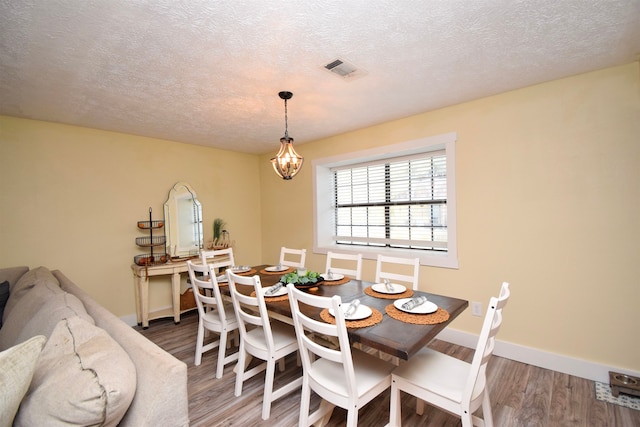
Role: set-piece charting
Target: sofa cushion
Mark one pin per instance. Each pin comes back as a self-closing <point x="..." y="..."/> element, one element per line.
<point x="83" y="377"/>
<point x="28" y="281"/>
<point x="4" y="296"/>
<point x="17" y="365"/>
<point x="38" y="312"/>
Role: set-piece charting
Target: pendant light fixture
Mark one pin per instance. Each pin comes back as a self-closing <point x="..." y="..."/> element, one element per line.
<point x="287" y="163"/>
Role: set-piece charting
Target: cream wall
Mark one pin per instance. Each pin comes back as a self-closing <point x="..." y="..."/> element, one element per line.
<point x="547" y="190"/>
<point x="71" y="197"/>
<point x="548" y="199"/>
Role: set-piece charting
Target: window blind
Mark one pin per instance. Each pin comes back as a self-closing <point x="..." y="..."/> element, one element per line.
<point x="400" y="202"/>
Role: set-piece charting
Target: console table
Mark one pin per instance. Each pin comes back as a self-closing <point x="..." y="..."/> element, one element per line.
<point x="141" y="275"/>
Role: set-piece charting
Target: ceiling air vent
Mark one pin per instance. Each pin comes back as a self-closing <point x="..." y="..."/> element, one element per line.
<point x="344" y="69"/>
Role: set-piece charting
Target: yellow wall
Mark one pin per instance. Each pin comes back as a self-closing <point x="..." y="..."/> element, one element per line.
<point x="71" y="197"/>
<point x="548" y="199"/>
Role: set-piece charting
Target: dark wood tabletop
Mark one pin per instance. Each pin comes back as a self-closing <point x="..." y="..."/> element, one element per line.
<point x="391" y="336"/>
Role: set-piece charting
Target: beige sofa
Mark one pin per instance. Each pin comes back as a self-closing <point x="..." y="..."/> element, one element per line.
<point x="87" y="350"/>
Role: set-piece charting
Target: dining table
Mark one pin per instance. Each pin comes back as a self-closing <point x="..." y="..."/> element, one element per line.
<point x="395" y="337"/>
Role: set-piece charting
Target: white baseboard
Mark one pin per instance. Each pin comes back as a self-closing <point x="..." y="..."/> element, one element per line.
<point x="567" y="365"/>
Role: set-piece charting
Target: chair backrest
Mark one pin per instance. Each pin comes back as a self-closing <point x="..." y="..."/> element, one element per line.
<point x="344" y="259"/>
<point x="307" y="327"/>
<point x="287" y="253"/>
<point x="200" y="284"/>
<point x="486" y="344"/>
<point x="251" y="311"/>
<point x="218" y="258"/>
<point x="400" y="264"/>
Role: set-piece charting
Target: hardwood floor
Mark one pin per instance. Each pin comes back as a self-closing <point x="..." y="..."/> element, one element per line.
<point x="521" y="395"/>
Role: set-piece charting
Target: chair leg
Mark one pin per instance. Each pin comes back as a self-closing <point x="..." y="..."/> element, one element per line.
<point x="240" y="367"/>
<point x="305" y="398"/>
<point x="221" y="353"/>
<point x="395" y="418"/>
<point x="487" y="415"/>
<point x="419" y="406"/>
<point x="467" y="419"/>
<point x="352" y="417"/>
<point x="199" y="340"/>
<point x="268" y="389"/>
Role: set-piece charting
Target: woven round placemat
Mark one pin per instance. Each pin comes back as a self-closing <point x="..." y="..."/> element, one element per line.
<point x="406" y="294"/>
<point x="336" y="282"/>
<point x="283" y="272"/>
<point x="376" y="317"/>
<point x="248" y="273"/>
<point x="439" y="316"/>
<point x="284" y="297"/>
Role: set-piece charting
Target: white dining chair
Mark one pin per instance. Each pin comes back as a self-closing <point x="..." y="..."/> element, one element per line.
<point x="339" y="262"/>
<point x="218" y="258"/>
<point x="260" y="338"/>
<point x="287" y="255"/>
<point x="343" y="377"/>
<point x="216" y="317"/>
<point x="404" y="270"/>
<point x="450" y="383"/>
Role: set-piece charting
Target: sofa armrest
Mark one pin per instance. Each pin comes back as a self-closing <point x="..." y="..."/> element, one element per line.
<point x="161" y="396"/>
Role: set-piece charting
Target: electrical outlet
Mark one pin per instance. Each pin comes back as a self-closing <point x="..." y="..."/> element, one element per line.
<point x="476" y="308"/>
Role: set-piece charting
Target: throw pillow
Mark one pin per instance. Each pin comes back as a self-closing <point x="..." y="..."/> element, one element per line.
<point x="29" y="280"/>
<point x="83" y="377"/>
<point x="38" y="312"/>
<point x="16" y="369"/>
<point x="4" y="296"/>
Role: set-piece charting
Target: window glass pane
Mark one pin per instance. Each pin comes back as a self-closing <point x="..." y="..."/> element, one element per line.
<point x="393" y="201"/>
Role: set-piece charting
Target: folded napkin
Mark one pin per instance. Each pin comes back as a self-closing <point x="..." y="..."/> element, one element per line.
<point x="329" y="274"/>
<point x="414" y="302"/>
<point x="275" y="288"/>
<point x="352" y="308"/>
<point x="388" y="285"/>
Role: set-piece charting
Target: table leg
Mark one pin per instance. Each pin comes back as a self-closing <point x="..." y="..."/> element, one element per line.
<point x="136" y="291"/>
<point x="175" y="290"/>
<point x="144" y="300"/>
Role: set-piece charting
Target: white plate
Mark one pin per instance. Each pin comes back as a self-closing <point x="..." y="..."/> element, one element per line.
<point x="362" y="312"/>
<point x="222" y="278"/>
<point x="382" y="288"/>
<point x="333" y="278"/>
<point x="425" y="308"/>
<point x="278" y="293"/>
<point x="275" y="268"/>
<point x="240" y="270"/>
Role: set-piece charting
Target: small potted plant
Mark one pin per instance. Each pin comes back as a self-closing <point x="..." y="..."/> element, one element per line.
<point x="218" y="229"/>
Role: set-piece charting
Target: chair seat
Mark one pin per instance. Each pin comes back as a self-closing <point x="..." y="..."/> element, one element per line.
<point x="439" y="373"/>
<point x="369" y="371"/>
<point x="283" y="336"/>
<point x="212" y="319"/>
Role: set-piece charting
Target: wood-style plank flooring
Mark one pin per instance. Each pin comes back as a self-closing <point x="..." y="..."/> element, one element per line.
<point x="521" y="394"/>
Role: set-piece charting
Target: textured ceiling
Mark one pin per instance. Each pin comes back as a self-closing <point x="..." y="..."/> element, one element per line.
<point x="208" y="72"/>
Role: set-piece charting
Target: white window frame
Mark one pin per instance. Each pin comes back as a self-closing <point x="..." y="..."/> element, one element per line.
<point x="323" y="200"/>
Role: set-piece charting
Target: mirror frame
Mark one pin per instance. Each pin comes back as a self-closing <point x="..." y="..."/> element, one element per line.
<point x="183" y="219"/>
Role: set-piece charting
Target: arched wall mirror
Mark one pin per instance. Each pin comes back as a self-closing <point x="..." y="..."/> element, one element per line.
<point x="183" y="218"/>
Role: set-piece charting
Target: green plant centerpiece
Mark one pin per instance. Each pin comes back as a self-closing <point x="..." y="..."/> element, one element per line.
<point x="302" y="279"/>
